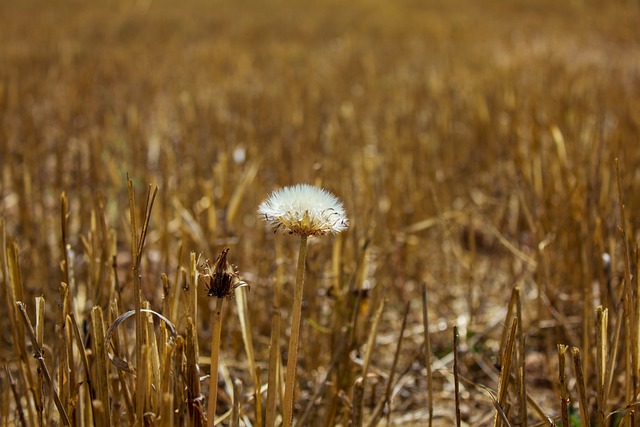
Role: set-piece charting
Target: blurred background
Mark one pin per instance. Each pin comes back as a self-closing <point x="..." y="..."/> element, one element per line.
<point x="473" y="144"/>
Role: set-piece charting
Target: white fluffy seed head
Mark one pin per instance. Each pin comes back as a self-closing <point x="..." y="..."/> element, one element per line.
<point x="304" y="210"/>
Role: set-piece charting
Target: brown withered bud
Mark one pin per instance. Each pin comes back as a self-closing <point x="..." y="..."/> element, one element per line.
<point x="221" y="279"/>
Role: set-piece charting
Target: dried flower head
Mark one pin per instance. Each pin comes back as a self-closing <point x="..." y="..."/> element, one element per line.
<point x="221" y="279"/>
<point x="304" y="210"/>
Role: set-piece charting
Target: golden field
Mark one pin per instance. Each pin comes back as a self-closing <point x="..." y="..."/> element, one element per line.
<point x="486" y="153"/>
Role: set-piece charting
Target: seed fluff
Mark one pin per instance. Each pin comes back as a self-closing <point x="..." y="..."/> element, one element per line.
<point x="304" y="210"/>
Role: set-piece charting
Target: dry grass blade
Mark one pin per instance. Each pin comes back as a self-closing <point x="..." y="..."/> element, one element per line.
<point x="492" y="395"/>
<point x="119" y="363"/>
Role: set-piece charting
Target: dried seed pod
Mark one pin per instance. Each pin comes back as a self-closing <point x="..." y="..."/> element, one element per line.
<point x="221" y="279"/>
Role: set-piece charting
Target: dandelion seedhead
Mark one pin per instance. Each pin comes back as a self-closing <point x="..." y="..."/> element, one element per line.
<point x="304" y="210"/>
<point x="221" y="279"/>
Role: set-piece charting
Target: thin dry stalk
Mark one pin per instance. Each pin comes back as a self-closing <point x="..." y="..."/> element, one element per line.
<point x="167" y="292"/>
<point x="40" y="339"/>
<point x="215" y="352"/>
<point x="521" y="365"/>
<point x="377" y="414"/>
<point x="64" y="215"/>
<point x="240" y="190"/>
<point x="237" y="400"/>
<point x="67" y="375"/>
<point x="492" y="396"/>
<point x="602" y="315"/>
<point x="166" y="410"/>
<point x="83" y="358"/>
<point x="137" y="245"/>
<point x="39" y="356"/>
<point x="279" y="279"/>
<point x="323" y="382"/>
<point x="192" y="290"/>
<point x="194" y="397"/>
<point x="582" y="394"/>
<point x="371" y="339"/>
<point x="100" y="349"/>
<point x="632" y="340"/>
<point x="175" y="295"/>
<point x="115" y="345"/>
<point x="505" y="371"/>
<point x="144" y="394"/>
<point x="16" y="396"/>
<point x="272" y="381"/>
<point x="505" y="331"/>
<point x="358" y="401"/>
<point x="258" y="398"/>
<point x="427" y="351"/>
<point x="562" y="377"/>
<point x="613" y="347"/>
<point x="122" y="365"/>
<point x="245" y="328"/>
<point x="167" y="368"/>
<point x="13" y="295"/>
<point x="456" y="379"/>
<point x="104" y="245"/>
<point x="180" y="398"/>
<point x="153" y="385"/>
<point x="538" y="410"/>
<point x="336" y="264"/>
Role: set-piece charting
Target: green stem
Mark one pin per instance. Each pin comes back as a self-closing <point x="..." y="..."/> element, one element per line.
<point x="292" y="355"/>
<point x="215" y="351"/>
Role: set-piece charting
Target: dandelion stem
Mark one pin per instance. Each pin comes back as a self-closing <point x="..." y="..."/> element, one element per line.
<point x="215" y="351"/>
<point x="292" y="354"/>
